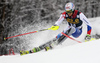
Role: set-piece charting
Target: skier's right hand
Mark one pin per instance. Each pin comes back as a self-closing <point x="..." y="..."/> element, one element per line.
<point x="55" y="27"/>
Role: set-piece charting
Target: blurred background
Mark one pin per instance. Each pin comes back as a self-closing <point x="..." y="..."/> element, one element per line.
<point x="22" y="16"/>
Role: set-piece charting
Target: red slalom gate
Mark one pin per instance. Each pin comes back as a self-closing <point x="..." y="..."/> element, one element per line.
<point x="11" y="52"/>
<point x="70" y="37"/>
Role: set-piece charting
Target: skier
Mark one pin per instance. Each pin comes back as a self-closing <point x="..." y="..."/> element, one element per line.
<point x="75" y="20"/>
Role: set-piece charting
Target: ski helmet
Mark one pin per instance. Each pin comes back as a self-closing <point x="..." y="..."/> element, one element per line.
<point x="69" y="7"/>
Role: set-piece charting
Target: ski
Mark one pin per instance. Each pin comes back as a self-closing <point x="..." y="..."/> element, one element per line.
<point x="48" y="45"/>
<point x="90" y="39"/>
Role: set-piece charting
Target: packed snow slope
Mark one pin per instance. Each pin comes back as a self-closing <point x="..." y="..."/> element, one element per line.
<point x="87" y="52"/>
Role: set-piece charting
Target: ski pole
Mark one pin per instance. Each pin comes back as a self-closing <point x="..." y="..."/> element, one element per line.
<point x="27" y="33"/>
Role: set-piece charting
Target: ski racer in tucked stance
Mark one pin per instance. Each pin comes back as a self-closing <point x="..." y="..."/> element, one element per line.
<point x="75" y="20"/>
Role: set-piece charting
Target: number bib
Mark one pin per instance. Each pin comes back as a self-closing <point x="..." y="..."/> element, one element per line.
<point x="74" y="19"/>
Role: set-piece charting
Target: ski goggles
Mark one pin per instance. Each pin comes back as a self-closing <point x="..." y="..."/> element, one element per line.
<point x="69" y="11"/>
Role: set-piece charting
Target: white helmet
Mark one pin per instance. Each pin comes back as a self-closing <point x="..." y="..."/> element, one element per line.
<point x="69" y="6"/>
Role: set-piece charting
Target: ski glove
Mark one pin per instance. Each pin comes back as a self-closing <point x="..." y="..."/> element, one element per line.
<point x="55" y="27"/>
<point x="88" y="37"/>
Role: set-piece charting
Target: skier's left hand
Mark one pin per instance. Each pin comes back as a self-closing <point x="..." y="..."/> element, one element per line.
<point x="88" y="37"/>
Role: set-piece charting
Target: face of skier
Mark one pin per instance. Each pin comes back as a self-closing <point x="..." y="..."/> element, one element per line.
<point x="70" y="13"/>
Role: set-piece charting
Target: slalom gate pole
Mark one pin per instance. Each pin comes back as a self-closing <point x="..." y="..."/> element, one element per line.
<point x="70" y="37"/>
<point x="27" y="33"/>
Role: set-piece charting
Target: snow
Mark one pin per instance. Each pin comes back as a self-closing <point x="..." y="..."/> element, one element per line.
<point x="87" y="52"/>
